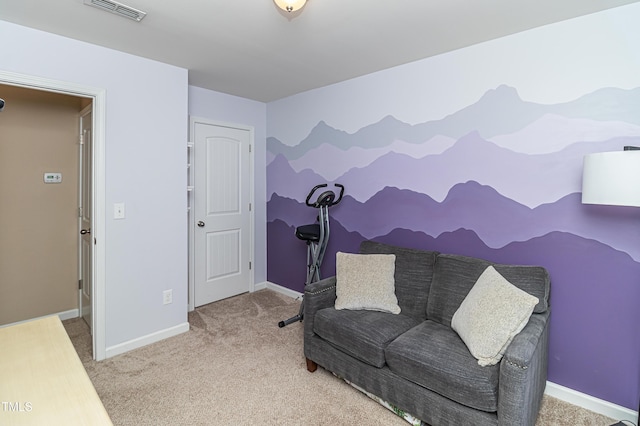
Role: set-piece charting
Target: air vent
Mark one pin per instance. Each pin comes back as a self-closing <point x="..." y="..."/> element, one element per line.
<point x="117" y="8"/>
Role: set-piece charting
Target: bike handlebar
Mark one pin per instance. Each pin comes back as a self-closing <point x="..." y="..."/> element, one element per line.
<point x="341" y="193"/>
<point x="327" y="198"/>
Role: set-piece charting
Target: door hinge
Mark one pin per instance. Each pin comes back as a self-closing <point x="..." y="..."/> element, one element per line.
<point x="81" y="140"/>
<point x="250" y="206"/>
<point x="249" y="147"/>
<point x="79" y="284"/>
<point x="249" y="264"/>
<point x="79" y="211"/>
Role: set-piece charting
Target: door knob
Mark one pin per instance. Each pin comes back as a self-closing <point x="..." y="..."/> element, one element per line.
<point x="201" y="224"/>
<point x="85" y="231"/>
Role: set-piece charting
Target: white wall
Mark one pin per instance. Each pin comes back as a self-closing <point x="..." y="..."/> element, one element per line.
<point x="225" y="108"/>
<point x="145" y="148"/>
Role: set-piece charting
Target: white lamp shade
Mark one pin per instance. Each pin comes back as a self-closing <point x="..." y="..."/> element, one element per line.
<point x="612" y="178"/>
<point x="290" y="5"/>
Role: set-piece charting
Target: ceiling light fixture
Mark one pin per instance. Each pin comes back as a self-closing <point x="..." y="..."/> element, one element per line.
<point x="117" y="8"/>
<point x="290" y="5"/>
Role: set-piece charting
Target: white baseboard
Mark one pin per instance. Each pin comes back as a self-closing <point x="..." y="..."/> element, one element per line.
<point x="73" y="313"/>
<point x="589" y="402"/>
<point x="259" y="286"/>
<point x="282" y="290"/>
<point x="65" y="315"/>
<point x="146" y="340"/>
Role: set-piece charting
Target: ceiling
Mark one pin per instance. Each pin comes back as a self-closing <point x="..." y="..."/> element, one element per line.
<point x="252" y="49"/>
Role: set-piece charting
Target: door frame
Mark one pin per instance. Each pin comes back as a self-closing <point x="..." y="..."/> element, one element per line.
<point x="98" y="97"/>
<point x="193" y="192"/>
<point x="82" y="146"/>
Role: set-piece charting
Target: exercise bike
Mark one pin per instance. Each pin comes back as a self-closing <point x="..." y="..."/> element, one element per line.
<point x="316" y="236"/>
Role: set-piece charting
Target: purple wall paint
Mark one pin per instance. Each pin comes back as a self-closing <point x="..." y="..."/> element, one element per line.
<point x="491" y="195"/>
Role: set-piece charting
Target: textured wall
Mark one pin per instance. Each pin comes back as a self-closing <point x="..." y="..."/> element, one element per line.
<point x="479" y="152"/>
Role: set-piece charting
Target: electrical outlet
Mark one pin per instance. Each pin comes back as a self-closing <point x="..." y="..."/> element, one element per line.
<point x="167" y="297"/>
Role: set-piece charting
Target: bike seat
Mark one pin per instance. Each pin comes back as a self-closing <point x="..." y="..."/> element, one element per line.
<point x="308" y="232"/>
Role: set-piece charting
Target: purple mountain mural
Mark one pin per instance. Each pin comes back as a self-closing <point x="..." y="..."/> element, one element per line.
<point x="284" y="181"/>
<point x="331" y="162"/>
<point x="550" y="133"/>
<point x="500" y="111"/>
<point x="497" y="220"/>
<point x="514" y="175"/>
<point x="553" y="133"/>
<point x="286" y="254"/>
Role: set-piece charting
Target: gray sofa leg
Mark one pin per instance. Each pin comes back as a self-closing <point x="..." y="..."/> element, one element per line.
<point x="311" y="365"/>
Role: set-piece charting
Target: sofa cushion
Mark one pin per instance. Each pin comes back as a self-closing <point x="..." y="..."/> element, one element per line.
<point x="361" y="334"/>
<point x="491" y="315"/>
<point x="455" y="275"/>
<point x="433" y="356"/>
<point x="366" y="282"/>
<point x="413" y="275"/>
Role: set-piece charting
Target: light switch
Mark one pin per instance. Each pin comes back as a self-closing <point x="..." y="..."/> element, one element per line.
<point x="118" y="210"/>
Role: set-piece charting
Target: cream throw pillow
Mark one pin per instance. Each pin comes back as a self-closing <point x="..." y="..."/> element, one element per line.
<point x="491" y="315"/>
<point x="366" y="281"/>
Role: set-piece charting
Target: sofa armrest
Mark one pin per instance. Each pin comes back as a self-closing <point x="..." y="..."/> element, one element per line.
<point x="318" y="295"/>
<point x="523" y="373"/>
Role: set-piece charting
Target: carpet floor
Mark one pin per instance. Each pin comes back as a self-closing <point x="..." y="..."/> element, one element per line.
<point x="236" y="367"/>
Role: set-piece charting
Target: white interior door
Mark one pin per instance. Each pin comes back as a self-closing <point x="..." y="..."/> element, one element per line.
<point x="85" y="213"/>
<point x="222" y="211"/>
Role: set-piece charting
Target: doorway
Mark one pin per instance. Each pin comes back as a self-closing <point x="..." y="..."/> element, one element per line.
<point x="38" y="181"/>
<point x="97" y="258"/>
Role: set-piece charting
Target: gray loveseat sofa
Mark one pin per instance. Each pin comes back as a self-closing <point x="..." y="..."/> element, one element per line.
<point x="414" y="360"/>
